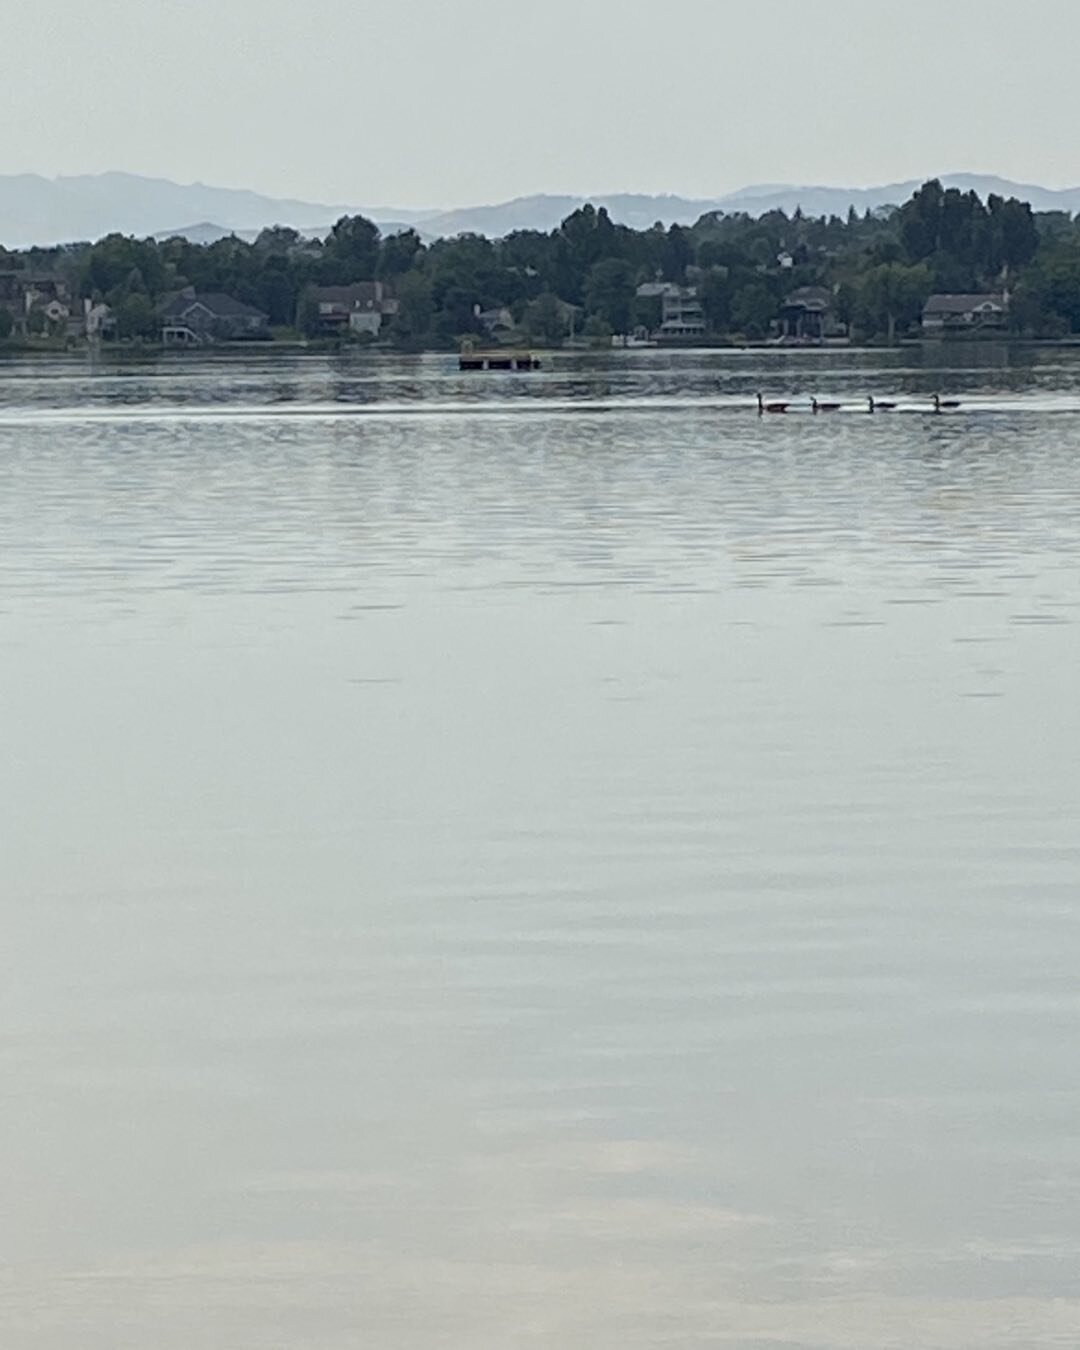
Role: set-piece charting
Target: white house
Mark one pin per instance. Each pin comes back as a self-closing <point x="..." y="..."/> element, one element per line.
<point x="98" y="319"/>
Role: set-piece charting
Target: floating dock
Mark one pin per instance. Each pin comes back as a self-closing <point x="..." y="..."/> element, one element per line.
<point x="499" y="360"/>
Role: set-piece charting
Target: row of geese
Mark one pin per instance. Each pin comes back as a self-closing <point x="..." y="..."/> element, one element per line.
<point x="937" y="405"/>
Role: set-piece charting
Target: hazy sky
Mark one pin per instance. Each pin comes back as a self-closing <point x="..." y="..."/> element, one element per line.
<point x="451" y="102"/>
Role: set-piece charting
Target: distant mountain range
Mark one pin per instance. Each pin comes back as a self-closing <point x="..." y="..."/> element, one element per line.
<point x="36" y="210"/>
<point x="826" y="201"/>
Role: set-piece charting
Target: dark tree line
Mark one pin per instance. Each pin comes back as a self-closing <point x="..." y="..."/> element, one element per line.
<point x="582" y="277"/>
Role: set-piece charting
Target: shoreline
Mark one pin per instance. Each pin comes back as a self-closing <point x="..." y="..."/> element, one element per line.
<point x="122" y="351"/>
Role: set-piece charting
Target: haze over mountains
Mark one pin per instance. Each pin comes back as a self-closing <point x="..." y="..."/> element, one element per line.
<point x="37" y="210"/>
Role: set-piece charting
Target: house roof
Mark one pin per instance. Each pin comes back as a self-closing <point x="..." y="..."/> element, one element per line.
<point x="220" y="305"/>
<point x="360" y="295"/>
<point x="809" y="297"/>
<point x="666" y="290"/>
<point x="961" y="304"/>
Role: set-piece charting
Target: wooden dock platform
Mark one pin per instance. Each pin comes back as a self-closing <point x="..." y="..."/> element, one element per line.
<point x="498" y="360"/>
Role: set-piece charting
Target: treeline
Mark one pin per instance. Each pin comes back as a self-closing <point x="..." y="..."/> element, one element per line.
<point x="582" y="277"/>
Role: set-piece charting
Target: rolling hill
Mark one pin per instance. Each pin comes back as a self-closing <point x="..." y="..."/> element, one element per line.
<point x="37" y="210"/>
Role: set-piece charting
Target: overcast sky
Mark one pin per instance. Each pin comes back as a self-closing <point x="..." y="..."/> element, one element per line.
<point x="454" y="102"/>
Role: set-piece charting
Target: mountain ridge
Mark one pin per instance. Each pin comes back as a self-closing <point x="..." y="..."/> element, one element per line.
<point x="46" y="211"/>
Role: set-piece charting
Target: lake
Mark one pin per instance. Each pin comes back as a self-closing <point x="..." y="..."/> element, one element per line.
<point x="540" y="860"/>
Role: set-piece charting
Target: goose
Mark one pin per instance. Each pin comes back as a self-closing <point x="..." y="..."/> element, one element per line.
<point x="880" y="405"/>
<point x="941" y="405"/>
<point x="824" y="407"/>
<point x="764" y="407"/>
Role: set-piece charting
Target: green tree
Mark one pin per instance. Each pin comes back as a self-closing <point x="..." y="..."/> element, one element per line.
<point x="411" y="326"/>
<point x="597" y="330"/>
<point x="753" y="307"/>
<point x="307" y="314"/>
<point x="845" y="303"/>
<point x="648" y="312"/>
<point x="277" y="239"/>
<point x="351" y="253"/>
<point x="117" y="264"/>
<point x="678" y="253"/>
<point x="275" y="289"/>
<point x="1019" y="233"/>
<point x="609" y="294"/>
<point x="528" y="254"/>
<point x="1047" y="300"/>
<point x="585" y="237"/>
<point x="464" y="274"/>
<point x="920" y="221"/>
<point x="589" y="233"/>
<point x="545" y="319"/>
<point x="892" y="295"/>
<point x="136" y="317"/>
<point x="397" y="253"/>
<point x="959" y="227"/>
<point x="715" y="293"/>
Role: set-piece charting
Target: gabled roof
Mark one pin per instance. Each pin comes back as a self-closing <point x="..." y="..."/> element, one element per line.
<point x="962" y="304"/>
<point x="809" y="297"/>
<point x="220" y="305"/>
<point x="360" y="295"/>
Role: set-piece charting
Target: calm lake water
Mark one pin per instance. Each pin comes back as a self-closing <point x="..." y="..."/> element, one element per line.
<point x="539" y="860"/>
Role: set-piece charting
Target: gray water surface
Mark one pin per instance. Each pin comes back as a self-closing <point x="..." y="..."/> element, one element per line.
<point x="539" y="860"/>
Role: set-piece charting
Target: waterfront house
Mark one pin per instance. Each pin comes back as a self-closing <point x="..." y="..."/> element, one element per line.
<point x="45" y="289"/>
<point x="494" y="321"/>
<point x="807" y="315"/>
<point x="359" y="308"/>
<point x="55" y="313"/>
<point x="194" y="318"/>
<point x="98" y="320"/>
<point x="681" y="314"/>
<point x="37" y="302"/>
<point x="959" y="313"/>
<point x="11" y="290"/>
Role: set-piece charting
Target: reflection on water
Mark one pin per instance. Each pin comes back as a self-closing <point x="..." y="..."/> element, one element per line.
<point x="591" y="875"/>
